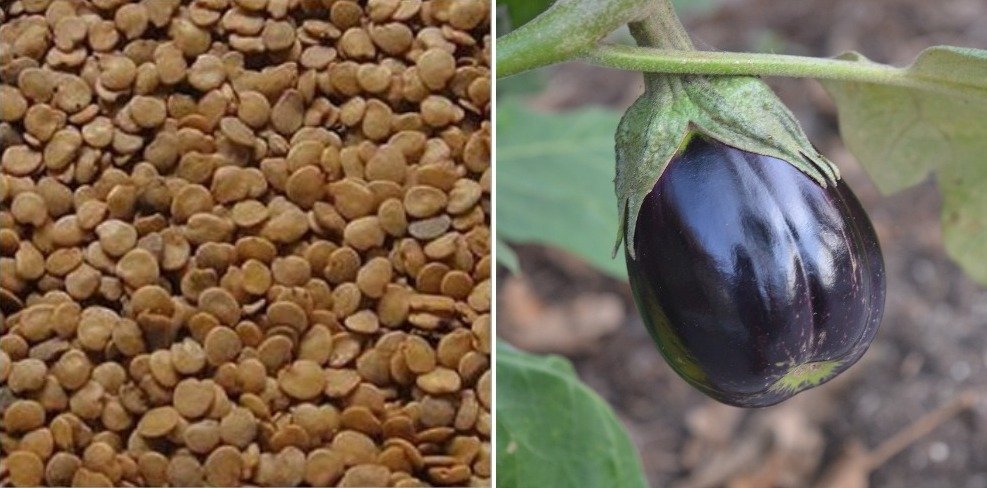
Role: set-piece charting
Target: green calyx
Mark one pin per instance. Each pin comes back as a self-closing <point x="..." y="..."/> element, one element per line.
<point x="806" y="376"/>
<point x="740" y="111"/>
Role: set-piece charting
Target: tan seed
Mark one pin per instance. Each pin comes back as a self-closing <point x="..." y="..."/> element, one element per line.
<point x="158" y="422"/>
<point x="303" y="380"/>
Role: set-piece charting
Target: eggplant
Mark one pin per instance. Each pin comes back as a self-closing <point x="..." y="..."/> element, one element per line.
<point x="754" y="281"/>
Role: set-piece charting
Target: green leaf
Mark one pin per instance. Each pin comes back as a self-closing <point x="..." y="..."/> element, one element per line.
<point x="554" y="181"/>
<point x="519" y="12"/>
<point x="901" y="134"/>
<point x="553" y="431"/>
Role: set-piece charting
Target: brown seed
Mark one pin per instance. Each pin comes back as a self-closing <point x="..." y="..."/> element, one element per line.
<point x="26" y="375"/>
<point x="223" y="467"/>
<point x="23" y="416"/>
<point x="222" y="344"/>
<point x="158" y="422"/>
<point x="305" y="186"/>
<point x="364" y="233"/>
<point x="238" y="427"/>
<point x="116" y="237"/>
<point x="137" y="268"/>
<point x="29" y="208"/>
<point x="364" y="322"/>
<point x="192" y="398"/>
<point x="20" y="160"/>
<point x="365" y="475"/>
<point x="440" y="380"/>
<point x="254" y="109"/>
<point x="278" y="35"/>
<point x="287" y="114"/>
<point x="185" y="470"/>
<point x="62" y="148"/>
<point x="202" y="437"/>
<point x="303" y="380"/>
<point x="435" y="67"/>
<point x="323" y="467"/>
<point x="147" y="112"/>
<point x="285" y="227"/>
<point x="237" y="131"/>
<point x="424" y="201"/>
<point x="25" y="468"/>
<point x="207" y="73"/>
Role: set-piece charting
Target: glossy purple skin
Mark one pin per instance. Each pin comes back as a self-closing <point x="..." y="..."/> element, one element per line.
<point x="745" y="267"/>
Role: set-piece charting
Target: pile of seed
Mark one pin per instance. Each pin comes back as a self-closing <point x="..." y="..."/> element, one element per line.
<point x="245" y="242"/>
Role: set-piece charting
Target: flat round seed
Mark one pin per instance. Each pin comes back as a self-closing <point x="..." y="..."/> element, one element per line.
<point x="185" y="471"/>
<point x="374" y="276"/>
<point x="440" y="380"/>
<point x="147" y="112"/>
<point x="13" y="105"/>
<point x="25" y="468"/>
<point x="364" y="233"/>
<point x="424" y="201"/>
<point x="323" y="467"/>
<point x="278" y="35"/>
<point x="162" y="369"/>
<point x="132" y="20"/>
<point x="23" y="416"/>
<point x="29" y="208"/>
<point x="248" y="213"/>
<point x="72" y="369"/>
<point x="116" y="237"/>
<point x="303" y="380"/>
<point x="62" y="148"/>
<point x="238" y="427"/>
<point x="118" y="72"/>
<point x="221" y="304"/>
<point x="364" y="322"/>
<point x="418" y="355"/>
<point x="237" y="131"/>
<point x="254" y="109"/>
<point x="222" y="344"/>
<point x="223" y="467"/>
<point x="202" y="437"/>
<point x="435" y="67"/>
<point x="287" y="114"/>
<point x="305" y="186"/>
<point x="158" y="422"/>
<point x="27" y="375"/>
<point x="95" y="327"/>
<point x="20" y="160"/>
<point x="137" y="268"/>
<point x="192" y="398"/>
<point x="464" y="196"/>
<point x="207" y="73"/>
<point x="317" y="57"/>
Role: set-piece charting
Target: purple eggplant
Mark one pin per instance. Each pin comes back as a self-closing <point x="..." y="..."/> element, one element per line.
<point x="755" y="281"/>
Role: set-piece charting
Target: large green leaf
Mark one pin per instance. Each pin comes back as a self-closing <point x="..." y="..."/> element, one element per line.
<point x="553" y="431"/>
<point x="555" y="181"/>
<point x="902" y="133"/>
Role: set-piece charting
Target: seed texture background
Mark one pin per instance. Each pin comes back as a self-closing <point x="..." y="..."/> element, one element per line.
<point x="245" y="242"/>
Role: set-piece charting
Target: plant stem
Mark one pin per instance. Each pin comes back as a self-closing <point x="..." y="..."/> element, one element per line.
<point x="565" y="31"/>
<point x="678" y="61"/>
<point x="673" y="61"/>
<point x="661" y="29"/>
